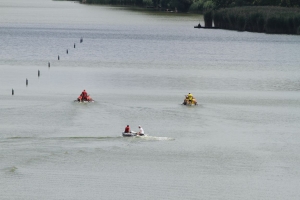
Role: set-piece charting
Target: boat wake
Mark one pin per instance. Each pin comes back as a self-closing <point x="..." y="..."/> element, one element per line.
<point x="93" y="138"/>
<point x="152" y="138"/>
<point x="159" y="138"/>
<point x="64" y="138"/>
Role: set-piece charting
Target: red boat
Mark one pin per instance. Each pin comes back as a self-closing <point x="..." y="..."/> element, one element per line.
<point x="88" y="99"/>
<point x="84" y="97"/>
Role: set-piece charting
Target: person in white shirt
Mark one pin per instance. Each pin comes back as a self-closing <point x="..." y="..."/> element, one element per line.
<point x="141" y="132"/>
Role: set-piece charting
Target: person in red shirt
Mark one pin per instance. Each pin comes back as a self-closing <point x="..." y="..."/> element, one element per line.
<point x="127" y="129"/>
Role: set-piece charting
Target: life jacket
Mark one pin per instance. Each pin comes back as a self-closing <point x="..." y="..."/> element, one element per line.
<point x="84" y="95"/>
<point x="127" y="129"/>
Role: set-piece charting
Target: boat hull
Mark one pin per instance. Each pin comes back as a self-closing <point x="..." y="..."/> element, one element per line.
<point x="187" y="102"/>
<point x="190" y="104"/>
<point x="206" y="27"/>
<point x="131" y="134"/>
<point x="128" y="134"/>
<point x="91" y="101"/>
<point x="87" y="100"/>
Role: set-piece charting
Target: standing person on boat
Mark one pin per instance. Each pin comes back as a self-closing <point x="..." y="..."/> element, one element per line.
<point x="190" y="97"/>
<point x="127" y="129"/>
<point x="141" y="131"/>
<point x="84" y="95"/>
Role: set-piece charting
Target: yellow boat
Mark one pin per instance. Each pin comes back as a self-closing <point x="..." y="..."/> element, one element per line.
<point x="187" y="102"/>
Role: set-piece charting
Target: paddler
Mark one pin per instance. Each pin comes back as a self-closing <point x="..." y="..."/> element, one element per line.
<point x="84" y="95"/>
<point x="190" y="97"/>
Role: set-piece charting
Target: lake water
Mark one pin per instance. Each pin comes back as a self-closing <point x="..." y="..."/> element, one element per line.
<point x="241" y="142"/>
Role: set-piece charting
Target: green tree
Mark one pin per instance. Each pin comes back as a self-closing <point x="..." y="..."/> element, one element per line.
<point x="184" y="5"/>
<point x="266" y="2"/>
<point x="155" y="3"/>
<point x="209" y="5"/>
<point x="222" y="3"/>
<point x="290" y="3"/>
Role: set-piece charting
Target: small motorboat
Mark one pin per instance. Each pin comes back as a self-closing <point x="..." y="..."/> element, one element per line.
<point x="188" y="102"/>
<point x="88" y="99"/>
<point x="207" y="27"/>
<point x="130" y="134"/>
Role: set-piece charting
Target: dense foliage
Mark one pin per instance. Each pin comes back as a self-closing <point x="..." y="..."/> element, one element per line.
<point x="232" y="3"/>
<point x="259" y="19"/>
<point x="204" y="5"/>
<point x="197" y="5"/>
<point x="180" y="5"/>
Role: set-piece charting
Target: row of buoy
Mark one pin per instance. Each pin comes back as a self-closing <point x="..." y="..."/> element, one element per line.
<point x="39" y="73"/>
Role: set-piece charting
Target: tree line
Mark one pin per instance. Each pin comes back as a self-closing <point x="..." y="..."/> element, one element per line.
<point x="267" y="19"/>
<point x="196" y="5"/>
<point x="205" y="5"/>
<point x="233" y="3"/>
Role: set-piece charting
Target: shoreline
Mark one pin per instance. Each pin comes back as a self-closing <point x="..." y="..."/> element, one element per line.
<point x="261" y="19"/>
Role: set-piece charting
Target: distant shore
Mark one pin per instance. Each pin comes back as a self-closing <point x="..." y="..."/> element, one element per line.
<point x="264" y="19"/>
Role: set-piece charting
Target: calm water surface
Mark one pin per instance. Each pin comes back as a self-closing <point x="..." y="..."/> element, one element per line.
<point x="240" y="142"/>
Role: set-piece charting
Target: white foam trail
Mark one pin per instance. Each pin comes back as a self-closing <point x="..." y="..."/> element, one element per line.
<point x="146" y="137"/>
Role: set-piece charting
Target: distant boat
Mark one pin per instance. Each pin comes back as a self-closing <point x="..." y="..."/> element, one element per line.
<point x="87" y="100"/>
<point x="131" y="134"/>
<point x="188" y="102"/>
<point x="199" y="26"/>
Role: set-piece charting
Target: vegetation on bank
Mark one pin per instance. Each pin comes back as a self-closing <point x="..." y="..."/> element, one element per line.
<point x="205" y="5"/>
<point x="195" y="6"/>
<point x="269" y="16"/>
<point x="234" y="3"/>
<point x="169" y="5"/>
<point x="259" y="19"/>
